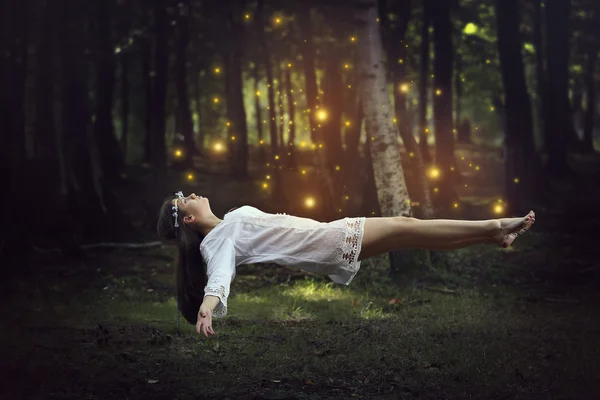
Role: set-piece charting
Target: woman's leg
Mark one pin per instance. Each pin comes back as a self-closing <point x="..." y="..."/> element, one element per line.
<point x="383" y="235"/>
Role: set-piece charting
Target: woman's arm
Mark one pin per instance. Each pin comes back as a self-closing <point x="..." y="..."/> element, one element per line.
<point x="210" y="302"/>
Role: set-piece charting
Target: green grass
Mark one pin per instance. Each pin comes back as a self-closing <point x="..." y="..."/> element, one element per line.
<point x="304" y="337"/>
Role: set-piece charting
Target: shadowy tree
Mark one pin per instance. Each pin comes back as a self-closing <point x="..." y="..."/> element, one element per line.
<point x="519" y="154"/>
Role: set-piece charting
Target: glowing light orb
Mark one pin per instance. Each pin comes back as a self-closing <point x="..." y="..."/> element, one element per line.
<point x="217" y="70"/>
<point x="303" y="172"/>
<point x="218" y="147"/>
<point x="455" y="205"/>
<point x="498" y="209"/>
<point x="261" y="141"/>
<point x="347" y="123"/>
<point x="265" y="185"/>
<point x="322" y="115"/>
<point x="404" y="88"/>
<point x="268" y="177"/>
<point x="516" y="180"/>
<point x="178" y="153"/>
<point x="190" y="177"/>
<point x="216" y="100"/>
<point x="470" y="29"/>
<point x="353" y="39"/>
<point x="438" y="92"/>
<point x="258" y="93"/>
<point x="434" y="173"/>
<point x="309" y="202"/>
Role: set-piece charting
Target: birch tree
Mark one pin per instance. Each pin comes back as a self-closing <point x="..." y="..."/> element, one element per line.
<point x="392" y="193"/>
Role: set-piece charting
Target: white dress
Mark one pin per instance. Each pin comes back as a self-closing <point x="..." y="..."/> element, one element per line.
<point x="247" y="236"/>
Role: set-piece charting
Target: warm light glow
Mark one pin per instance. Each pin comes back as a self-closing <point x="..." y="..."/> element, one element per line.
<point x="218" y="147"/>
<point x="404" y="88"/>
<point x="347" y="123"/>
<point x="276" y="157"/>
<point x="289" y="65"/>
<point x="217" y="70"/>
<point x="268" y="177"/>
<point x="228" y="123"/>
<point x="322" y="115"/>
<point x="411" y="154"/>
<point x="302" y="144"/>
<point x="470" y="29"/>
<point x="492" y="108"/>
<point x="438" y="92"/>
<point x="434" y="173"/>
<point x="265" y="185"/>
<point x="435" y="190"/>
<point x="178" y="153"/>
<point x="190" y="177"/>
<point x="233" y="138"/>
<point x="394" y="120"/>
<point x="247" y="16"/>
<point x="277" y="21"/>
<point x="455" y="205"/>
<point x="216" y="100"/>
<point x="498" y="209"/>
<point x="309" y="202"/>
<point x="353" y="39"/>
<point x="337" y="167"/>
<point x="303" y="172"/>
<point x="261" y="141"/>
<point x="516" y="180"/>
<point x="346" y="66"/>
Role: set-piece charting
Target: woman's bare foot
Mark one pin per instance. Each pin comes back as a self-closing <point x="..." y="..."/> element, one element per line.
<point x="512" y="228"/>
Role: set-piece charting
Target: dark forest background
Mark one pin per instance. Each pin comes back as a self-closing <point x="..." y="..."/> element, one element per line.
<point x="107" y="107"/>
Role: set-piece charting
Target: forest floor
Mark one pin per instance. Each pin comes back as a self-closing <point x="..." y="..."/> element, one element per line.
<point x="517" y="323"/>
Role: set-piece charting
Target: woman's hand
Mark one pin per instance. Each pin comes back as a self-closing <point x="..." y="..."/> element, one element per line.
<point x="204" y="323"/>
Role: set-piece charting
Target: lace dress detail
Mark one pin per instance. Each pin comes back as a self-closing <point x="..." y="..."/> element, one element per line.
<point x="221" y="308"/>
<point x="348" y="249"/>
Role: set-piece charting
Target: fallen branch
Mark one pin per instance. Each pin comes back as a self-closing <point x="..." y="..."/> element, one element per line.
<point x="439" y="290"/>
<point x="121" y="245"/>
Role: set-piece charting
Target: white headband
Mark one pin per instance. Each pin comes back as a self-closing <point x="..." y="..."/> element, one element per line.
<point x="175" y="208"/>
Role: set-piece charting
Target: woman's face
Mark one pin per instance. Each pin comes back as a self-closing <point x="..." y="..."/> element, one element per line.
<point x="196" y="207"/>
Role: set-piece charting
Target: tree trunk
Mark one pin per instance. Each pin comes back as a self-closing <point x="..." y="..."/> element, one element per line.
<point x="588" y="119"/>
<point x="14" y="226"/>
<point x="442" y="102"/>
<point x="161" y="63"/>
<point x="110" y="154"/>
<point x="292" y="117"/>
<point x="331" y="128"/>
<point x="558" y="14"/>
<point x="235" y="99"/>
<point x="280" y="117"/>
<point x="519" y="155"/>
<point x="424" y="82"/>
<point x="259" y="118"/>
<point x="148" y="80"/>
<point x="125" y="104"/>
<point x="186" y="126"/>
<point x="389" y="177"/>
<point x="396" y="51"/>
<point x="308" y="56"/>
<point x="269" y="72"/>
<point x="540" y="69"/>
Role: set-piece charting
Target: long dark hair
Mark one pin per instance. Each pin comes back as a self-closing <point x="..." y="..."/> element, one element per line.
<point x="190" y="272"/>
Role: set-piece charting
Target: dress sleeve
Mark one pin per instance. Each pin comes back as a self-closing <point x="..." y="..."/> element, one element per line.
<point x="221" y="271"/>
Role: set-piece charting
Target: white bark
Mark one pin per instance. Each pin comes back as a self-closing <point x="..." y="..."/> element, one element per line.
<point x="392" y="193"/>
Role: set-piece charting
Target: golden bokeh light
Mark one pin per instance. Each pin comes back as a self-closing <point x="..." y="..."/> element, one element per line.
<point x="434" y="172"/>
<point x="322" y="115"/>
<point x="309" y="202"/>
<point x="178" y="153"/>
<point x="404" y="88"/>
<point x="218" y="147"/>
